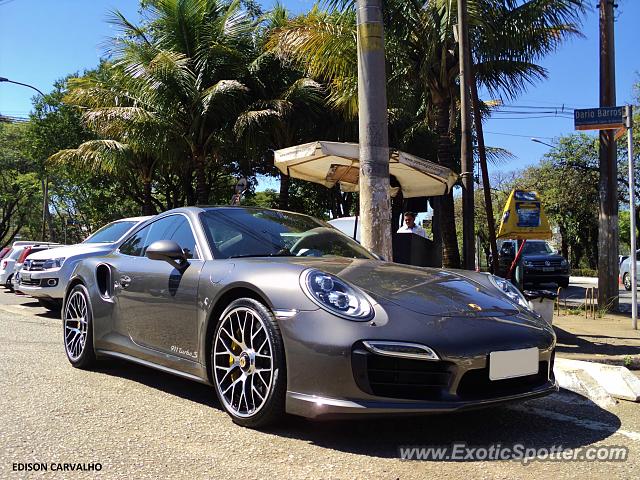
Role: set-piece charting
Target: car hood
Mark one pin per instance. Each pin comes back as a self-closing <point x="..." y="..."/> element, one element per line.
<point x="72" y="251"/>
<point x="428" y="291"/>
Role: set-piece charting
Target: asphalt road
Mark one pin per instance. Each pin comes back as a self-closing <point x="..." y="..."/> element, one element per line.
<point x="140" y="423"/>
<point x="577" y="290"/>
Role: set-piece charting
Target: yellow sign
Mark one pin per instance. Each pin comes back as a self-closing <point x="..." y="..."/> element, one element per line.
<point x="523" y="217"/>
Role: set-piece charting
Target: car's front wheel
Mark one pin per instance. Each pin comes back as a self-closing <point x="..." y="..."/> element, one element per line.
<point x="77" y="320"/>
<point x="626" y="280"/>
<point x="248" y="364"/>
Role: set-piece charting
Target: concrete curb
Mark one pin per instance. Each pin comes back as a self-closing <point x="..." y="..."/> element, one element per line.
<point x="601" y="383"/>
<point x="580" y="382"/>
<point x="632" y="362"/>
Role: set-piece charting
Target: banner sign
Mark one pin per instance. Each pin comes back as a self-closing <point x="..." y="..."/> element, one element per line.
<point x="523" y="217"/>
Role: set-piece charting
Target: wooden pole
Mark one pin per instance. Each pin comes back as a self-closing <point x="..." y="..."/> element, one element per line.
<point x="466" y="149"/>
<point x="608" y="267"/>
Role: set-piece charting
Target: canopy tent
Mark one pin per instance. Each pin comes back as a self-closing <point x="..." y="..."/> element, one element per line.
<point x="328" y="163"/>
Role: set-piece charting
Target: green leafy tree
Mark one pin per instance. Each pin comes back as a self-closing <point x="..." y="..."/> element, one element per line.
<point x="423" y="64"/>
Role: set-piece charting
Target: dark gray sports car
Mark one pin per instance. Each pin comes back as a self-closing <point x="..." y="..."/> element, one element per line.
<point x="281" y="312"/>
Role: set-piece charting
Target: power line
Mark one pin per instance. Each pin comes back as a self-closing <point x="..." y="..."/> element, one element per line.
<point x="516" y="135"/>
<point x="533" y="117"/>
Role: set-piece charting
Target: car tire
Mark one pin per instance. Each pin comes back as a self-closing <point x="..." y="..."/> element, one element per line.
<point x="564" y="283"/>
<point x="51" y="305"/>
<point x="248" y="364"/>
<point x="77" y="328"/>
<point x="626" y="281"/>
<point x="9" y="284"/>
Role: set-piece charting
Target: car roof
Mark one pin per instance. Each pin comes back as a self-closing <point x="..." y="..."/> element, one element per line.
<point x="133" y="219"/>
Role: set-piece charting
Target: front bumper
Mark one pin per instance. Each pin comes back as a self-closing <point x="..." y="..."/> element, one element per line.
<point x="538" y="276"/>
<point x="47" y="284"/>
<point x="330" y="374"/>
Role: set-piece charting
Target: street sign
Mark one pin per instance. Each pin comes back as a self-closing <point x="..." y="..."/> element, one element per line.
<point x="605" y="118"/>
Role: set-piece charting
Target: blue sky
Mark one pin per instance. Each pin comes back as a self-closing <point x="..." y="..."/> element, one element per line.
<point x="44" y="40"/>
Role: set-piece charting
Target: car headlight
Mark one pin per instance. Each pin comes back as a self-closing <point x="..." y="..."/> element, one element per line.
<point x="510" y="290"/>
<point x="53" y="263"/>
<point x="564" y="263"/>
<point x="336" y="296"/>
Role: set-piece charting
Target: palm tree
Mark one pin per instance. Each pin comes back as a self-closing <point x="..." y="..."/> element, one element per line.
<point x="422" y="55"/>
<point x="182" y="73"/>
<point x="285" y="106"/>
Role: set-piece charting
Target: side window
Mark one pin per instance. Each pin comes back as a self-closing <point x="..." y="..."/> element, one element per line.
<point x="183" y="236"/>
<point x="133" y="246"/>
<point x="161" y="230"/>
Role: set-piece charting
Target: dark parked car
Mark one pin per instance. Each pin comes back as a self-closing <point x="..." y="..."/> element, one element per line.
<point x="281" y="312"/>
<point x="541" y="263"/>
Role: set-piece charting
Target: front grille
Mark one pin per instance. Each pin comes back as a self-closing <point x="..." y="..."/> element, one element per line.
<point x="543" y="263"/>
<point x="32" y="282"/>
<point x="33" y="265"/>
<point x="476" y="384"/>
<point x="404" y="378"/>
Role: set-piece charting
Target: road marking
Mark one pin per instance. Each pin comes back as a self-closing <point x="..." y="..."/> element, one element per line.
<point x="581" y="422"/>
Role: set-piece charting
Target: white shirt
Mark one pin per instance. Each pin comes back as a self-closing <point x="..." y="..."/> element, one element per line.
<point x="416" y="229"/>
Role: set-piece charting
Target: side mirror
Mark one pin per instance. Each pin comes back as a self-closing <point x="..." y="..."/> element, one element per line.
<point x="168" y="251"/>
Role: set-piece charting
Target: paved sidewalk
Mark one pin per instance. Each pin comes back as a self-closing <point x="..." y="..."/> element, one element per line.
<point x="609" y="339"/>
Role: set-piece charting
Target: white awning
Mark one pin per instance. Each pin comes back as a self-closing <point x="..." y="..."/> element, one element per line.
<point x="328" y="163"/>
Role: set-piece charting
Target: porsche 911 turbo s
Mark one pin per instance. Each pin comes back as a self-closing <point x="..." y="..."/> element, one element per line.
<point x="282" y="313"/>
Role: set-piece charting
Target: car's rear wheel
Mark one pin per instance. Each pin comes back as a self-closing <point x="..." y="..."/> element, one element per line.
<point x="248" y="364"/>
<point x="77" y="322"/>
<point x="626" y="280"/>
<point x="9" y="283"/>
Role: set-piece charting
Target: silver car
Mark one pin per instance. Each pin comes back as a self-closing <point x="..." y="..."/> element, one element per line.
<point x="282" y="313"/>
<point x="625" y="271"/>
<point x="10" y="260"/>
<point x="45" y="274"/>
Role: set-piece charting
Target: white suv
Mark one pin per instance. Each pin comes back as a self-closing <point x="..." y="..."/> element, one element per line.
<point x="45" y="274"/>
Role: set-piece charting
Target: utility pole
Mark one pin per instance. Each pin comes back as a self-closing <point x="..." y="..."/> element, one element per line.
<point x="375" y="209"/>
<point x="608" y="188"/>
<point x="466" y="148"/>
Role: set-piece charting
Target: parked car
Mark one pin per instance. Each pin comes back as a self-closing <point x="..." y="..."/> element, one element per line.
<point x="625" y="271"/>
<point x="282" y="313"/>
<point x="541" y="263"/>
<point x="28" y="250"/>
<point x="44" y="275"/>
<point x="8" y="263"/>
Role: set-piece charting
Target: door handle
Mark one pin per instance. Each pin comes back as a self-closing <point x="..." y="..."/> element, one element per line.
<point x="125" y="281"/>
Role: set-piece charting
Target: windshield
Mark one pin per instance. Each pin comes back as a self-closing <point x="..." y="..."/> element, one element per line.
<point x="536" y="248"/>
<point x="111" y="233"/>
<point x="247" y="232"/>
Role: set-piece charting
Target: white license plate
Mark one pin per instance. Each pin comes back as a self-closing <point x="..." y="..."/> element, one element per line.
<point x="548" y="269"/>
<point x="25" y="276"/>
<point x="513" y="363"/>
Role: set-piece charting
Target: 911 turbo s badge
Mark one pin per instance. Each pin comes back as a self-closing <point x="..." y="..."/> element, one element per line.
<point x="183" y="351"/>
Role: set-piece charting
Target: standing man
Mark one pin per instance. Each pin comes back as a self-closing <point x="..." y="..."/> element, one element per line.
<point x="410" y="225"/>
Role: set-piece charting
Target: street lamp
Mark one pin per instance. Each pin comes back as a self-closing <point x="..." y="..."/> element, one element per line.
<point x="45" y="182"/>
<point x="537" y="140"/>
<point x="3" y="79"/>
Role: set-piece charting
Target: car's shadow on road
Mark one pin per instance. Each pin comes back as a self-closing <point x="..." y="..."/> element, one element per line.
<point x="382" y="437"/>
<point x="591" y="344"/>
